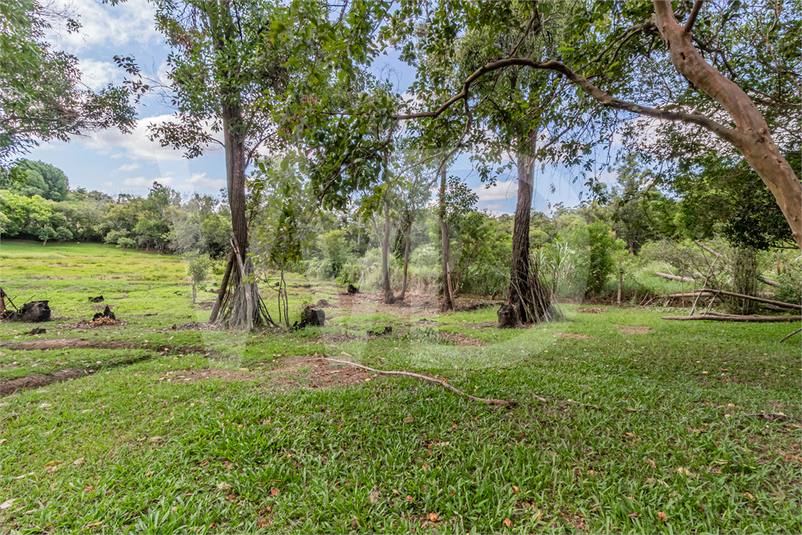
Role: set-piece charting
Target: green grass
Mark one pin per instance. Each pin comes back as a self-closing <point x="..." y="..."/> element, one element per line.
<point x="635" y="424"/>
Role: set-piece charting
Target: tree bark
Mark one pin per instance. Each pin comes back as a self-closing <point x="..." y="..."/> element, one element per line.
<point x="244" y="310"/>
<point x="389" y="298"/>
<point x="445" y="246"/>
<point x="528" y="296"/>
<point x="751" y="135"/>
<point x="406" y="259"/>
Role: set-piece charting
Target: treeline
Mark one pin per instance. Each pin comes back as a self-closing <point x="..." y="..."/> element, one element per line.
<point x="618" y="239"/>
<point x="43" y="208"/>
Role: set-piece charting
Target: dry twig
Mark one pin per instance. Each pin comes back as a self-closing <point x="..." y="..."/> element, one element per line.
<point x="441" y="382"/>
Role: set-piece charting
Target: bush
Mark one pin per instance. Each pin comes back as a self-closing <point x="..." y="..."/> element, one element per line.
<point x="602" y="264"/>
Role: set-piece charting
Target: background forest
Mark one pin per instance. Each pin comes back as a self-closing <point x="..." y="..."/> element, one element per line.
<point x="634" y="228"/>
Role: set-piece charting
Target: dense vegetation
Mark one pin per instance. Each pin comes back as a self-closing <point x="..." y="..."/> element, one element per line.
<point x="633" y="227"/>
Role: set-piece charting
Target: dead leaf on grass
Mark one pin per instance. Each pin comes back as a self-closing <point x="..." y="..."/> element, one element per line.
<point x="432" y="517"/>
<point x="508" y="522"/>
<point x="409" y="420"/>
<point x="662" y="516"/>
<point x="274" y="491"/>
<point x="8" y="503"/>
<point x="515" y="489"/>
<point x="633" y="515"/>
<point x="94" y="524"/>
<point x="410" y="498"/>
<point x="750" y="496"/>
<point x="78" y="461"/>
<point x="373" y="496"/>
<point x="223" y="486"/>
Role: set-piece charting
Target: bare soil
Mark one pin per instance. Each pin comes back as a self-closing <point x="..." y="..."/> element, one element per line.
<point x="590" y="310"/>
<point x="632" y="329"/>
<point x="573" y="335"/>
<point x="315" y="372"/>
<point x="37" y="381"/>
<point x="68" y="343"/>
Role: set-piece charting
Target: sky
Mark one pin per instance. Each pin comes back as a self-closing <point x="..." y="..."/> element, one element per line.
<point x="115" y="163"/>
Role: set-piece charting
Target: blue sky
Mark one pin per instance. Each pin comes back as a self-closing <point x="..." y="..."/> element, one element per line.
<point x="129" y="163"/>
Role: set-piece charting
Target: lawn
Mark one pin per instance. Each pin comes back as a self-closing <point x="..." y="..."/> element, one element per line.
<point x="648" y="425"/>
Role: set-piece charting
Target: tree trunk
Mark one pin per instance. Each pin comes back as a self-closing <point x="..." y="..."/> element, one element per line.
<point x="751" y="135"/>
<point x="744" y="281"/>
<point x="406" y="260"/>
<point x="389" y="298"/>
<point x="620" y="284"/>
<point x="244" y="309"/>
<point x="528" y="294"/>
<point x="445" y="246"/>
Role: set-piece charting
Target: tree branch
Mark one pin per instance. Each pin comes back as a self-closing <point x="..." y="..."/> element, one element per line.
<point x="440" y="382"/>
<point x="697" y="5"/>
<point x="596" y="93"/>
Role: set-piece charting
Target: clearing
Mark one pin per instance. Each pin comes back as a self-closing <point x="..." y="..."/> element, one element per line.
<point x="159" y="425"/>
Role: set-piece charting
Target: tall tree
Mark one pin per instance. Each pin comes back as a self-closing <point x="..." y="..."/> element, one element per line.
<point x="226" y="70"/>
<point x="641" y="59"/>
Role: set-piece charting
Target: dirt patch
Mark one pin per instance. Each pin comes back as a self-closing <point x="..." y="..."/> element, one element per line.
<point x="632" y="329"/>
<point x="37" y="381"/>
<point x="461" y="339"/>
<point x="91" y="324"/>
<point x="206" y="305"/>
<point x="590" y="310"/>
<point x="315" y="372"/>
<point x="573" y="335"/>
<point x="68" y="343"/>
<point x="191" y="326"/>
<point x="69" y="265"/>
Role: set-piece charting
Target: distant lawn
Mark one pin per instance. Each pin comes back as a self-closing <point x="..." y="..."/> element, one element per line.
<point x="650" y="426"/>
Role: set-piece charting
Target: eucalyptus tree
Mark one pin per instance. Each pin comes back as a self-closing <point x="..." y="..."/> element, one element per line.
<point x="226" y="71"/>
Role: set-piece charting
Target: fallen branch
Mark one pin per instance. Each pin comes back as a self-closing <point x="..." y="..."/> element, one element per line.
<point x="673" y="277"/>
<point x="768" y="281"/>
<point x="441" y="382"/>
<point x="744" y="296"/>
<point x="790" y="335"/>
<point x="734" y="317"/>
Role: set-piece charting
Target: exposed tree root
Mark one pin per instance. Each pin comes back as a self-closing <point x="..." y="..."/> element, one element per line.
<point x="441" y="382"/>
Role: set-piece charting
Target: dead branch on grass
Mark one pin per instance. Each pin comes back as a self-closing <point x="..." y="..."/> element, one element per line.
<point x="441" y="382"/>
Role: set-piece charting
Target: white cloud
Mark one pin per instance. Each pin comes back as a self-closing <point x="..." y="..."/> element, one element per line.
<point x="128" y="167"/>
<point x="104" y="25"/>
<point x="200" y="180"/>
<point x="136" y="144"/>
<point x="97" y="74"/>
<point x="142" y="182"/>
<point x="501" y="191"/>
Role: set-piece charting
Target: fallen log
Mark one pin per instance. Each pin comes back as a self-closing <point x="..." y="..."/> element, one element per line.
<point x="770" y="282"/>
<point x="735" y="317"/>
<point x="674" y="277"/>
<point x="743" y="296"/>
<point x="441" y="382"/>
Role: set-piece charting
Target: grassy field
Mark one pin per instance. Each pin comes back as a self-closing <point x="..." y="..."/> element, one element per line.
<point x="649" y="426"/>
